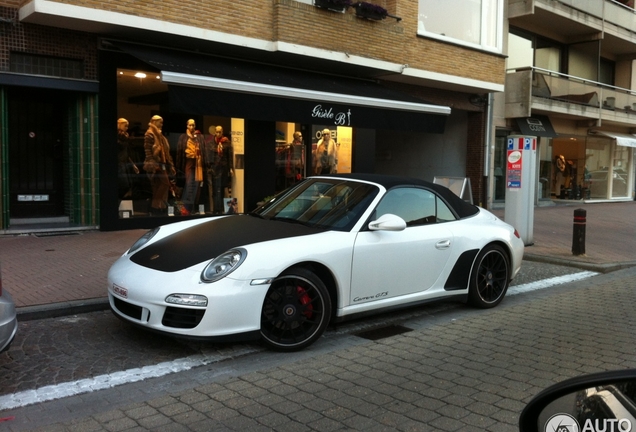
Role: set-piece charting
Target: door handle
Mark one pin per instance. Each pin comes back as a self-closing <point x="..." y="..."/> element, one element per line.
<point x="442" y="244"/>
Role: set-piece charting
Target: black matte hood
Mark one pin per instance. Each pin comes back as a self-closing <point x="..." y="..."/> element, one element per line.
<point x="207" y="240"/>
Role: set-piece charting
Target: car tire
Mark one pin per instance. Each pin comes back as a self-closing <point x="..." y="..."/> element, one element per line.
<point x="296" y="311"/>
<point x="489" y="277"/>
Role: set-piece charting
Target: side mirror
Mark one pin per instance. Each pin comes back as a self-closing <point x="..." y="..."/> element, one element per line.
<point x="604" y="401"/>
<point x="387" y="222"/>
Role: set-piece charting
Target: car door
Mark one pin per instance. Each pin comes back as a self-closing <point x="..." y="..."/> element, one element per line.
<point x="389" y="264"/>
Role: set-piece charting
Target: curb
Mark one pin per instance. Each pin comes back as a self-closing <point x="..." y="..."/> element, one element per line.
<point x="600" y="268"/>
<point x="55" y="310"/>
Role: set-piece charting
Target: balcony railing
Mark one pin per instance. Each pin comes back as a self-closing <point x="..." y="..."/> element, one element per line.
<point x="528" y="86"/>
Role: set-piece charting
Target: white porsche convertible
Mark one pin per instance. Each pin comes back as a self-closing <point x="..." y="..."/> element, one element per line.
<point x="328" y="249"/>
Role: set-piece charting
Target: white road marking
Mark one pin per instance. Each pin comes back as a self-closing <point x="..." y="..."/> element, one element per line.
<point x="546" y="283"/>
<point x="101" y="382"/>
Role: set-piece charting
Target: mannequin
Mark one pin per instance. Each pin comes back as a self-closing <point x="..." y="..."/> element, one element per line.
<point x="223" y="167"/>
<point x="209" y="169"/>
<point x="326" y="157"/>
<point x="297" y="157"/>
<point x="158" y="165"/>
<point x="559" y="165"/>
<point x="191" y="162"/>
<point x="126" y="166"/>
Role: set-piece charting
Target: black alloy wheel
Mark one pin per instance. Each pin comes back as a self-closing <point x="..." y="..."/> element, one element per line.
<point x="296" y="311"/>
<point x="489" y="278"/>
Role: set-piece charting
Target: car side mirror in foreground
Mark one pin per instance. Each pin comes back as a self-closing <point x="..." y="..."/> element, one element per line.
<point x="604" y="401"/>
<point x="387" y="222"/>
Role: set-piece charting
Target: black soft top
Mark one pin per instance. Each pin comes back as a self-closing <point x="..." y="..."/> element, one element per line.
<point x="461" y="207"/>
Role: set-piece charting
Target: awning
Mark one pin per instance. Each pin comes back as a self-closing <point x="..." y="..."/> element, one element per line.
<point x="203" y="84"/>
<point x="537" y="125"/>
<point x="625" y="140"/>
<point x="16" y="79"/>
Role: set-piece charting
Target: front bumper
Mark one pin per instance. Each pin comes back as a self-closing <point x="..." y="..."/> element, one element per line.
<point x="138" y="295"/>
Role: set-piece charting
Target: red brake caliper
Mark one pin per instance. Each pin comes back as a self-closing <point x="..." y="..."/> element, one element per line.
<point x="304" y="300"/>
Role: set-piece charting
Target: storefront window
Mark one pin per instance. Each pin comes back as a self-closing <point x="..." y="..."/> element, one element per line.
<point x="331" y="149"/>
<point x="175" y="164"/>
<point x="591" y="168"/>
<point x="171" y="164"/>
<point x="545" y="168"/>
<point x="330" y="152"/>
<point x="597" y="164"/>
<point x="568" y="167"/>
<point x="620" y="174"/>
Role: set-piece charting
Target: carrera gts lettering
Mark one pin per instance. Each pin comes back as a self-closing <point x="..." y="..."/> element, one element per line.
<point x="375" y="297"/>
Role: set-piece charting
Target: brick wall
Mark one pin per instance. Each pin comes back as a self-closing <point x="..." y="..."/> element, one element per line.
<point x="387" y="40"/>
<point x="49" y="41"/>
<point x="303" y="24"/>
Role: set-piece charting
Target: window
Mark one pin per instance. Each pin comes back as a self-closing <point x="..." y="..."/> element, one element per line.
<point x="477" y="23"/>
<point x="45" y="65"/>
<point x="583" y="60"/>
<point x="607" y="69"/>
<point x="416" y="206"/>
<point x="549" y="55"/>
<point x="526" y="50"/>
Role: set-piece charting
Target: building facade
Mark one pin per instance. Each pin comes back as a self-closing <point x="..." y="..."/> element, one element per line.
<point x="245" y="92"/>
<point x="570" y="82"/>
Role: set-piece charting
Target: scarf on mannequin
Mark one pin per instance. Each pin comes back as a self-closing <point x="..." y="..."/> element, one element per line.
<point x="194" y="152"/>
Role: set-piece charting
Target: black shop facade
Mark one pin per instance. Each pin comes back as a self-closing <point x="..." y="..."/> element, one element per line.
<point x="227" y="134"/>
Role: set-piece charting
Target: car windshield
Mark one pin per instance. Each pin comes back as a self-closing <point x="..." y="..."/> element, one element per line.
<point x="321" y="203"/>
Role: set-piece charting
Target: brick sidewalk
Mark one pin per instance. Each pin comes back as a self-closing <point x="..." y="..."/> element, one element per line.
<point x="61" y="268"/>
<point x="610" y="234"/>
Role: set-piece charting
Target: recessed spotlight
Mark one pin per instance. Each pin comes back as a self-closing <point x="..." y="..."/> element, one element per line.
<point x="140" y="75"/>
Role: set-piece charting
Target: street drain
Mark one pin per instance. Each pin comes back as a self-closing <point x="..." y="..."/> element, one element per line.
<point x="383" y="332"/>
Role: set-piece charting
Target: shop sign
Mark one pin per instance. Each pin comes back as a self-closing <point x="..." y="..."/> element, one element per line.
<point x="537" y="125"/>
<point x="328" y="113"/>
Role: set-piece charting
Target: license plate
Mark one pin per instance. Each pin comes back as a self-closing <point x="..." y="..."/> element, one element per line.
<point x="120" y="291"/>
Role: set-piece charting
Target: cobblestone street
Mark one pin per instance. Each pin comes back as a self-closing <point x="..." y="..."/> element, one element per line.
<point x="456" y="369"/>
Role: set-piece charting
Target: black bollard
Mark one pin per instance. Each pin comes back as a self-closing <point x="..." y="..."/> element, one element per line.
<point x="578" y="232"/>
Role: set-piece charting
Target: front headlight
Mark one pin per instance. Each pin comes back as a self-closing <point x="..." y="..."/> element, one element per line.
<point x="142" y="240"/>
<point x="223" y="265"/>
